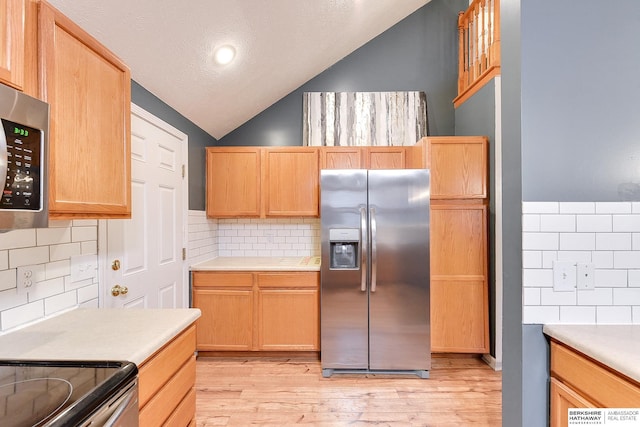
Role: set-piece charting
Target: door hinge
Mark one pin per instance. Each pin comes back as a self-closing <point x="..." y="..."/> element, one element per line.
<point x="184" y="254"/>
<point x="183" y="170"/>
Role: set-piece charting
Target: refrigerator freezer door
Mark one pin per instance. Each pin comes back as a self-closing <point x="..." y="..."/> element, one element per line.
<point x="399" y="315"/>
<point x="343" y="297"/>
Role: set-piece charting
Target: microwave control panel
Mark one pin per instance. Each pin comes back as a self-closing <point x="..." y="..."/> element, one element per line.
<point x="24" y="160"/>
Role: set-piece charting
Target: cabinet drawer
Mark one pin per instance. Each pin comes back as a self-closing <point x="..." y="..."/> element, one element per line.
<point x="160" y="368"/>
<point x="222" y="280"/>
<point x="168" y="398"/>
<point x="593" y="381"/>
<point x="288" y="280"/>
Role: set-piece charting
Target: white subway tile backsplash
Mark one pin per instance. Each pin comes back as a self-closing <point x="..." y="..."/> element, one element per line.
<point x="60" y="302"/>
<point x="28" y="256"/>
<point x="577" y="241"/>
<point x="52" y="236"/>
<point x="532" y="259"/>
<point x="7" y="279"/>
<point x="634" y="278"/>
<point x="626" y="296"/>
<point x="551" y="223"/>
<point x="626" y="259"/>
<point x="594" y="223"/>
<point x="613" y="207"/>
<point x="531" y="296"/>
<point x="18" y="239"/>
<point x="52" y="247"/>
<point x="613" y="241"/>
<point x="626" y="223"/>
<point x="577" y="207"/>
<point x="548" y="257"/>
<point x="540" y="241"/>
<point x="538" y="278"/>
<point x="602" y="259"/>
<point x="595" y="297"/>
<point x="575" y="256"/>
<point x="578" y="315"/>
<point x="550" y="297"/>
<point x="606" y="234"/>
<point x="64" y="251"/>
<point x="613" y="315"/>
<point x="82" y="234"/>
<point x="540" y="207"/>
<point x="531" y="222"/>
<point x="611" y="278"/>
<point x="22" y="314"/>
<point x="88" y="293"/>
<point x="46" y="289"/>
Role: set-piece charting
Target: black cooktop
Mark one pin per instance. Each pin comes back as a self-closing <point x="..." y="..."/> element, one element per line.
<point x="57" y="393"/>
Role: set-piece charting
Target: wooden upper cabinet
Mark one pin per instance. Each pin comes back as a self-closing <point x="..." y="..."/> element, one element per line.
<point x="459" y="167"/>
<point x="12" y="43"/>
<point x="341" y="158"/>
<point x="262" y="182"/>
<point x="291" y="181"/>
<point x="233" y="182"/>
<point x="366" y="157"/>
<point x="386" y="157"/>
<point x="89" y="92"/>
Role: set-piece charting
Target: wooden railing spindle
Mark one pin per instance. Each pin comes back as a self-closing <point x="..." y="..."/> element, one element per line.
<point x="478" y="47"/>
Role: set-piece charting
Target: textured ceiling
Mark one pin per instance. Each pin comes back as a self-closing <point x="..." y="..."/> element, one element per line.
<point x="280" y="45"/>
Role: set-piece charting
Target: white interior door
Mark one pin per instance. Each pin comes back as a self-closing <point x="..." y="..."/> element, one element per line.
<point x="143" y="266"/>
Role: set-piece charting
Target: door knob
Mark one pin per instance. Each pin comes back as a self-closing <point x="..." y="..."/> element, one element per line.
<point x="119" y="290"/>
<point x="115" y="265"/>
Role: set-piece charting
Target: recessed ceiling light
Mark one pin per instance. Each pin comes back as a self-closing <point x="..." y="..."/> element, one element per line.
<point x="224" y="54"/>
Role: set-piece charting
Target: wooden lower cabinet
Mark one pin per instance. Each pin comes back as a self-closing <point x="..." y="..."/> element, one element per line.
<point x="166" y="383"/>
<point x="257" y="311"/>
<point x="459" y="284"/>
<point x="578" y="381"/>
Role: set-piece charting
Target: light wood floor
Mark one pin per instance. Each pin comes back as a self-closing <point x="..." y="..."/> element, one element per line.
<point x="462" y="391"/>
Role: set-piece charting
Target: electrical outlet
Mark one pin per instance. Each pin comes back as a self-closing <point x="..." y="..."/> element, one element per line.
<point x="586" y="278"/>
<point x="564" y="275"/>
<point x="27" y="276"/>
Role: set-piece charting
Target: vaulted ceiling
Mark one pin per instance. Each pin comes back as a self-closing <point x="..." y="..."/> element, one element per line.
<point x="280" y="44"/>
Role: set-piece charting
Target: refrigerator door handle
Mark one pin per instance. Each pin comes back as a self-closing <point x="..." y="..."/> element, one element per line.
<point x="363" y="249"/>
<point x="374" y="250"/>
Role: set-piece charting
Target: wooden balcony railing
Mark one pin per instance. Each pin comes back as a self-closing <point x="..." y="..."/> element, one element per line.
<point x="479" y="47"/>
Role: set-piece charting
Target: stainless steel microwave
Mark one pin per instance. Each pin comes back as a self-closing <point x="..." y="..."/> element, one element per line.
<point x="24" y="136"/>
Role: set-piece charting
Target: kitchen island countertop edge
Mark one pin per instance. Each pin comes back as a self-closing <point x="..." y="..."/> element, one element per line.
<point x="98" y="334"/>
<point x="615" y="346"/>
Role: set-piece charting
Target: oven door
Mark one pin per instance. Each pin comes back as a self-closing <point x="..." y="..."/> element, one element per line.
<point x="119" y="411"/>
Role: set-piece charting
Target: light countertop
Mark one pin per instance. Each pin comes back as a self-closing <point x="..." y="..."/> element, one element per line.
<point x="259" y="264"/>
<point x="617" y="346"/>
<point x="97" y="334"/>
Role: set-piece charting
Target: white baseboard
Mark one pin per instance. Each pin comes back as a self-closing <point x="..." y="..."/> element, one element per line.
<point x="491" y="361"/>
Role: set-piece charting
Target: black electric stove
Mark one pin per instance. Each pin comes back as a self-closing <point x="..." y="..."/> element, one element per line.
<point x="58" y="393"/>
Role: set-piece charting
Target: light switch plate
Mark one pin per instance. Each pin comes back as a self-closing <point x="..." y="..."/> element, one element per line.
<point x="564" y="275"/>
<point x="83" y="267"/>
<point x="586" y="279"/>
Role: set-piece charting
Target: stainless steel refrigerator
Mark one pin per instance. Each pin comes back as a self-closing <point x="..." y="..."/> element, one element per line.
<point x="375" y="271"/>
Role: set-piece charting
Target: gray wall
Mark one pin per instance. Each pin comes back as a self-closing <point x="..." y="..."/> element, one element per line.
<point x="579" y="87"/>
<point x="418" y="53"/>
<point x="476" y="116"/>
<point x="198" y="139"/>
<point x="580" y="108"/>
<point x="513" y="380"/>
